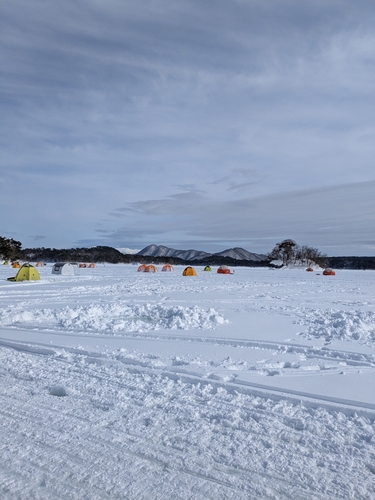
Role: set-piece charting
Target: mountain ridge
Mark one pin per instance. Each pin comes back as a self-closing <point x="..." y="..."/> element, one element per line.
<point x="235" y="253"/>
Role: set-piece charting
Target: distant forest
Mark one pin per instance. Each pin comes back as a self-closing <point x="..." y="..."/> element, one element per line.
<point x="113" y="256"/>
<point x="287" y="251"/>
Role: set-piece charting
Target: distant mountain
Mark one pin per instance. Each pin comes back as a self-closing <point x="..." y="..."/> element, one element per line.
<point x="162" y="251"/>
<point x="241" y="254"/>
<point x="233" y="253"/>
<point x="127" y="251"/>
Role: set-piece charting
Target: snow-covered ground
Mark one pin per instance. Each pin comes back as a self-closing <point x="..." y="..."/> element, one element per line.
<point x="124" y="385"/>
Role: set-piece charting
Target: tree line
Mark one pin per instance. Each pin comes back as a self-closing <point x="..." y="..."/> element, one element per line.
<point x="287" y="252"/>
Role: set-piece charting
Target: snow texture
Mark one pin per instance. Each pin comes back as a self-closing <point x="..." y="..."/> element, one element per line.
<point x="257" y="385"/>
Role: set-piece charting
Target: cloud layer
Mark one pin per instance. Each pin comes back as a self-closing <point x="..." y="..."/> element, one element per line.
<point x="211" y="124"/>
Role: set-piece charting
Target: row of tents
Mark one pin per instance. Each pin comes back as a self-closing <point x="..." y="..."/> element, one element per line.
<point x="327" y="271"/>
<point x="30" y="273"/>
<point x="188" y="271"/>
<point x="17" y="265"/>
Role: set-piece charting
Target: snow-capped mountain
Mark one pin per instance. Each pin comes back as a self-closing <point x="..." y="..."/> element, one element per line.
<point x="234" y="253"/>
<point x="128" y="251"/>
<point x="241" y="254"/>
<point x="162" y="251"/>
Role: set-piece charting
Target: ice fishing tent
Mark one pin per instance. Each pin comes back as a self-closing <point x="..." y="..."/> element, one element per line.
<point x="189" y="271"/>
<point x="167" y="268"/>
<point x="16" y="265"/>
<point x="151" y="269"/>
<point x="63" y="268"/>
<point x="38" y="264"/>
<point x="26" y="273"/>
<point x="82" y="265"/>
<point x="329" y="272"/>
<point x="141" y="268"/>
<point x="223" y="270"/>
<point x="207" y="268"/>
<point x="92" y="265"/>
<point x="310" y="269"/>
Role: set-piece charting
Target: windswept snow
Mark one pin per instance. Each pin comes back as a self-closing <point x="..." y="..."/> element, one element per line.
<point x="334" y="324"/>
<point x="112" y="318"/>
<point x="257" y="385"/>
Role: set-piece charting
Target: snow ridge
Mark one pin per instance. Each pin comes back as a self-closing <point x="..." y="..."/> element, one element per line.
<point x="114" y="318"/>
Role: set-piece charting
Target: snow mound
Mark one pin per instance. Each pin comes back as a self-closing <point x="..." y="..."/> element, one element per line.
<point x="341" y="325"/>
<point x="114" y="318"/>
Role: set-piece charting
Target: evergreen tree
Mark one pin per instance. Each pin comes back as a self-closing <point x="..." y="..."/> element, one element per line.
<point x="10" y="249"/>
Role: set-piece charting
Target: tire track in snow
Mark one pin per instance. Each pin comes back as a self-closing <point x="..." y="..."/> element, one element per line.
<point x="139" y="366"/>
<point x="217" y="403"/>
<point x="325" y="353"/>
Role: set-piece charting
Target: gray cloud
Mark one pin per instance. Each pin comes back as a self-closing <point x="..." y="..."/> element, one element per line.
<point x="116" y="104"/>
<point x="335" y="219"/>
<point x="38" y="237"/>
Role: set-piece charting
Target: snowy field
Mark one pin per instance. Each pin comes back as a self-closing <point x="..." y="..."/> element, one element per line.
<point x="124" y="385"/>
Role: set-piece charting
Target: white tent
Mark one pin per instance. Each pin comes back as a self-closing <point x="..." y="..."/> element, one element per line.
<point x="63" y="268"/>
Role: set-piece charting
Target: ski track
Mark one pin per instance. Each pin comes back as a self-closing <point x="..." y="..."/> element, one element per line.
<point x="168" y="431"/>
<point x="115" y="424"/>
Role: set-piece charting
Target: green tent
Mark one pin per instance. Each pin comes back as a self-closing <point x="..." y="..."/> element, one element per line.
<point x="27" y="272"/>
<point x="207" y="268"/>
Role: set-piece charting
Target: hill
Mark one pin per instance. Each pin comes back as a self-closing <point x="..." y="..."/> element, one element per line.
<point x="196" y="255"/>
<point x="157" y="254"/>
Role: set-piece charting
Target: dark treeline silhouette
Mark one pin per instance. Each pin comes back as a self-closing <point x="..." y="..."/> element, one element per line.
<point x="351" y="262"/>
<point x="111" y="255"/>
<point x="287" y="251"/>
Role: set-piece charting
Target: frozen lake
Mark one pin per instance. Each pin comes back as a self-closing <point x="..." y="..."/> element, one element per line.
<point x="118" y="384"/>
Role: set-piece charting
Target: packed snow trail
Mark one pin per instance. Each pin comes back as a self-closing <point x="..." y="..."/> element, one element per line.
<point x="91" y="426"/>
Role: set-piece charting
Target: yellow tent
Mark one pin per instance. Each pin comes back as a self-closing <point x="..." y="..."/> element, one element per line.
<point x="189" y="271"/>
<point x="26" y="273"/>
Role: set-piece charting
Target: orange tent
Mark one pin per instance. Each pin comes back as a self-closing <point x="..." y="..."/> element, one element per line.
<point x="38" y="264"/>
<point x="92" y="264"/>
<point x="310" y="269"/>
<point x="189" y="271"/>
<point x="223" y="270"/>
<point x="329" y="272"/>
<point x="167" y="268"/>
<point x="82" y="265"/>
<point x="16" y="265"/>
<point x="151" y="269"/>
<point x="141" y="268"/>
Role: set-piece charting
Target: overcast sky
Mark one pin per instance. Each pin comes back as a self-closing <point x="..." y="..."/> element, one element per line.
<point x="204" y="124"/>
